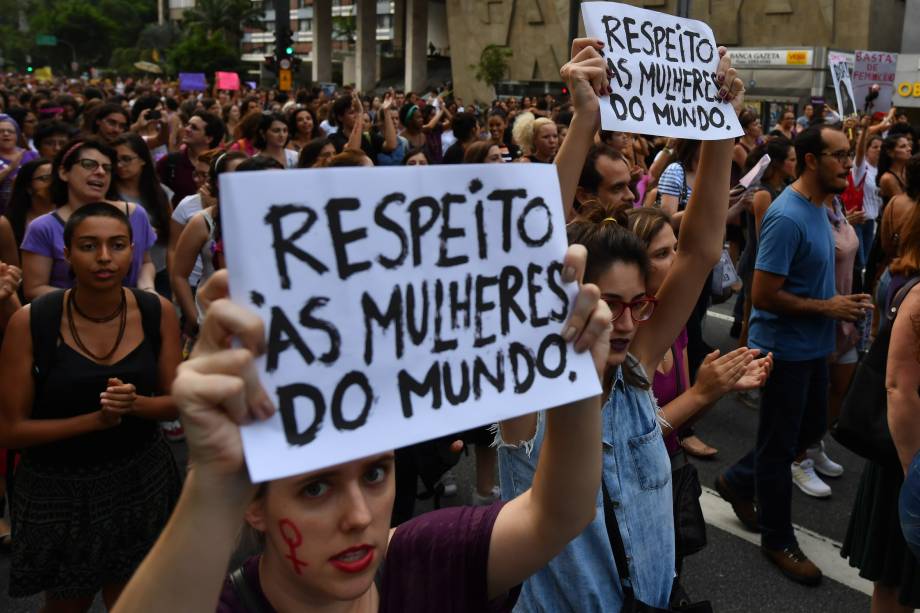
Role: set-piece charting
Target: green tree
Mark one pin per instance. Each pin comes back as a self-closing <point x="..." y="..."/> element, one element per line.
<point x="200" y="52"/>
<point x="226" y="18"/>
<point x="94" y="28"/>
<point x="493" y="64"/>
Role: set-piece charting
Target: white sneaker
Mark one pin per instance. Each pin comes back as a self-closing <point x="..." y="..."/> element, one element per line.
<point x="803" y="475"/>
<point x="823" y="464"/>
<point x="483" y="501"/>
<point x="449" y="481"/>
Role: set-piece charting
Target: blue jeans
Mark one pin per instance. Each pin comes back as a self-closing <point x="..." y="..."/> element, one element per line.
<point x="865" y="232"/>
<point x="909" y="507"/>
<point x="793" y="415"/>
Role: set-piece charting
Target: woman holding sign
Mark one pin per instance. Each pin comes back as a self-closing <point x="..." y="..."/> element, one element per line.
<point x="635" y="523"/>
<point x="328" y="544"/>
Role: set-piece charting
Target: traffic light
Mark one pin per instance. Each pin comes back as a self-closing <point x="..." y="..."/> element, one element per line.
<point x="271" y="63"/>
<point x="284" y="44"/>
<point x="29" y="68"/>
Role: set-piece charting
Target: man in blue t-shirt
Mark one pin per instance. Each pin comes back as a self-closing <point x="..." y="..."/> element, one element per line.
<point x="795" y="306"/>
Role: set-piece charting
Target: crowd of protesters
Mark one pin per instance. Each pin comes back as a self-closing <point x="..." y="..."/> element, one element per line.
<point x="114" y="323"/>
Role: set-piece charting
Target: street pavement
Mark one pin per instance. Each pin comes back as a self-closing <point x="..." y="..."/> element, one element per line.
<point x="730" y="571"/>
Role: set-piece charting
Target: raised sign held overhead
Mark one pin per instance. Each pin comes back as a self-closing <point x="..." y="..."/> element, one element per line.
<point x="664" y="70"/>
<point x="843" y="84"/>
<point x="400" y="304"/>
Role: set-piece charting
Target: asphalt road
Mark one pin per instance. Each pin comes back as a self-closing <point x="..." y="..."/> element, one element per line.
<point x="730" y="571"/>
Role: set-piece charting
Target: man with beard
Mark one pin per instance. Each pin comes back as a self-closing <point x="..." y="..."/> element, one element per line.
<point x="795" y="306"/>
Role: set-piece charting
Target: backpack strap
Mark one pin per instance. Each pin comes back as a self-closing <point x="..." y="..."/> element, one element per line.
<point x="900" y="296"/>
<point x="151" y="314"/>
<point x="245" y="592"/>
<point x="45" y="323"/>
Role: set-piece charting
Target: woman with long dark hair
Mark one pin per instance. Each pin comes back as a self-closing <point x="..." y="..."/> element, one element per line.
<point x="636" y="468"/>
<point x="31" y="198"/>
<point x="272" y="138"/>
<point x="85" y="375"/>
<point x="316" y="153"/>
<point x="892" y="160"/>
<point x="136" y="181"/>
<point x="81" y="173"/>
<point x="302" y="127"/>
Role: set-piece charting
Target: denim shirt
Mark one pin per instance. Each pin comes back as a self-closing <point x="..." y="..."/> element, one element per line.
<point x="637" y="473"/>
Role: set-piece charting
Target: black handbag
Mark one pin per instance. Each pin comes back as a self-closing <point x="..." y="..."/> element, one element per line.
<point x="863" y="423"/>
<point x="631" y="604"/>
<point x="689" y="523"/>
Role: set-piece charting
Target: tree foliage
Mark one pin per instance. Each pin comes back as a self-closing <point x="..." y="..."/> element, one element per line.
<point x="91" y="29"/>
<point x="493" y="64"/>
<point x="200" y="52"/>
<point x="226" y="18"/>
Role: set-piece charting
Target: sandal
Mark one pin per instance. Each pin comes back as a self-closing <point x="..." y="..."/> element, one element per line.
<point x="697" y="448"/>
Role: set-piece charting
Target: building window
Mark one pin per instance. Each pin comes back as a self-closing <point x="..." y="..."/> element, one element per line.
<point x="305" y="25"/>
<point x="384" y="21"/>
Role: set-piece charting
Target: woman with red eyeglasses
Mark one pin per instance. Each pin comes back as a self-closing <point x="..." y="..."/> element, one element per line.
<point x="632" y="537"/>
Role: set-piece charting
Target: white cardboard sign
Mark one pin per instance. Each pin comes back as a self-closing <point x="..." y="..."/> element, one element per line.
<point x="754" y="175"/>
<point x="400" y="304"/>
<point x="664" y="70"/>
<point x="874" y="68"/>
<point x="843" y="84"/>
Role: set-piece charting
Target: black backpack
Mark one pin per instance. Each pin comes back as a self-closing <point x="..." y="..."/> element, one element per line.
<point x="45" y="323"/>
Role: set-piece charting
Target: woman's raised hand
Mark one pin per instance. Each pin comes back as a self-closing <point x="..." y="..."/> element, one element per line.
<point x="218" y="388"/>
<point x="731" y="88"/>
<point x="586" y="75"/>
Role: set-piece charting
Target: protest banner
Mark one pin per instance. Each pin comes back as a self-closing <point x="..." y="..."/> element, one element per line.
<point x="192" y="82"/>
<point x="843" y="85"/>
<point x="229" y="81"/>
<point x="664" y="71"/>
<point x="400" y="304"/>
<point x="874" y="68"/>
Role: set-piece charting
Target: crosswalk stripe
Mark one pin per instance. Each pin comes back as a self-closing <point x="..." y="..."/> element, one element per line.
<point x="824" y="552"/>
<point x="721" y="316"/>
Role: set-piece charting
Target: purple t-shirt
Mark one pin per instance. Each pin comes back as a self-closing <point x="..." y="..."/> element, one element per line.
<point x="6" y="187"/>
<point x="666" y="389"/>
<point x="45" y="236"/>
<point x="435" y="562"/>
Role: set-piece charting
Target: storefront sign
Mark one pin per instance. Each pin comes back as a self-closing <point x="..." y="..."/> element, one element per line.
<point x="747" y="58"/>
<point x="907" y="81"/>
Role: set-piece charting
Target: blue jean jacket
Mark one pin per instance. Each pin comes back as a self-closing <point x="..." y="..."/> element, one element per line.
<point x="637" y="472"/>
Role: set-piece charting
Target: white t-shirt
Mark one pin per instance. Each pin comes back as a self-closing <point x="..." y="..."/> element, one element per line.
<point x="328" y="128"/>
<point x="872" y="202"/>
<point x="183" y="212"/>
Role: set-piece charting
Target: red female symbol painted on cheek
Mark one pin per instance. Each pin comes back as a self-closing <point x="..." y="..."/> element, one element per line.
<point x="292" y="537"/>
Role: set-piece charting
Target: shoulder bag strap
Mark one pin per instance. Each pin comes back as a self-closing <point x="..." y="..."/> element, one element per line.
<point x="44" y="324"/>
<point x="244" y="591"/>
<point x="900" y="296"/>
<point x="616" y="541"/>
<point x="151" y="314"/>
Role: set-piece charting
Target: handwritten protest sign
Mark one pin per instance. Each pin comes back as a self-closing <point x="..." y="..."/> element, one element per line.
<point x="874" y="68"/>
<point x="192" y="82"/>
<point x="753" y="177"/>
<point x="663" y="74"/>
<point x="229" y="81"/>
<point x="843" y="85"/>
<point x="399" y="304"/>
